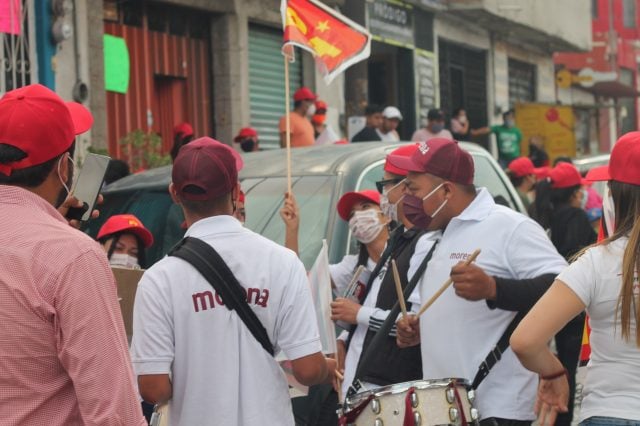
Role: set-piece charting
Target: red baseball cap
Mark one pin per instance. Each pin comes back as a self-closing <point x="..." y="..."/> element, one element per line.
<point x="246" y="132"/>
<point x="404" y="151"/>
<point x="624" y="164"/>
<point x="565" y="175"/>
<point x="321" y="105"/>
<point x="35" y="120"/>
<point x="523" y="166"/>
<point x="126" y="223"/>
<point x="440" y="157"/>
<point x="183" y="129"/>
<point x="304" y="94"/>
<point x="348" y="200"/>
<point x="204" y="169"/>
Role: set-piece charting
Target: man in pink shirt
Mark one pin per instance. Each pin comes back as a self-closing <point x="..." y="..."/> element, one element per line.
<point x="64" y="352"/>
<point x="433" y="129"/>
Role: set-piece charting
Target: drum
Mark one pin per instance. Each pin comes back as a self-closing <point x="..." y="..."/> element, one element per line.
<point x="419" y="403"/>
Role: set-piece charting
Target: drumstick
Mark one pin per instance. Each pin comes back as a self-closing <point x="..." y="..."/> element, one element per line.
<point x="446" y="285"/>
<point x="396" y="278"/>
<point x="354" y="281"/>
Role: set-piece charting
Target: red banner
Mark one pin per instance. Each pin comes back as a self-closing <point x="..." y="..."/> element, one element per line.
<point x="334" y="40"/>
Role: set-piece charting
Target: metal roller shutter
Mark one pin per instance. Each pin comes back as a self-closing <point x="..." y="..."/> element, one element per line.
<point x="266" y="82"/>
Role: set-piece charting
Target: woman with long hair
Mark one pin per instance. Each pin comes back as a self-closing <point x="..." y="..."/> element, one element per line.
<point x="124" y="239"/>
<point x="604" y="280"/>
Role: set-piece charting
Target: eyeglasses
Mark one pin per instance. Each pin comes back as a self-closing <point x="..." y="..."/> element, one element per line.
<point x="382" y="183"/>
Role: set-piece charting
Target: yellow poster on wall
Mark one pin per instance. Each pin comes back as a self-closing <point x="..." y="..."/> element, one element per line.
<point x="552" y="125"/>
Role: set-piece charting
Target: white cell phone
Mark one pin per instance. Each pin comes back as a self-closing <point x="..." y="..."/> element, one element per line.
<point x="88" y="184"/>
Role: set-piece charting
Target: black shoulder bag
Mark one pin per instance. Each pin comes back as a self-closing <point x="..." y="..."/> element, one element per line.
<point x="208" y="262"/>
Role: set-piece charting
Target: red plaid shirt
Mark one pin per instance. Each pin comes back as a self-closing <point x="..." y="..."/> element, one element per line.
<point x="63" y="352"/>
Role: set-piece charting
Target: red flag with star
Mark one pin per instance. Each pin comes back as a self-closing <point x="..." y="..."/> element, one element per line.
<point x="334" y="40"/>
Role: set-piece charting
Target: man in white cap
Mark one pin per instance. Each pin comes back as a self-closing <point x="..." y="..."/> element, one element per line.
<point x="391" y="118"/>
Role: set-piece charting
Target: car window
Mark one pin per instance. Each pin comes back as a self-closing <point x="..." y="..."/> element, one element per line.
<point x="313" y="193"/>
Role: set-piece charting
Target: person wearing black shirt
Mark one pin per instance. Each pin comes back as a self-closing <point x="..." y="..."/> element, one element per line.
<point x="370" y="133"/>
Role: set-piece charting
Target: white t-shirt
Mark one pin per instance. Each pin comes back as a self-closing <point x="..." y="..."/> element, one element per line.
<point x="612" y="387"/>
<point x="423" y="135"/>
<point x="221" y="375"/>
<point x="457" y="334"/>
<point x="392" y="136"/>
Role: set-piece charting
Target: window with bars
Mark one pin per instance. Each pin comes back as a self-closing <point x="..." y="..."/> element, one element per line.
<point x="522" y="82"/>
<point x="629" y="13"/>
<point x="16" y="51"/>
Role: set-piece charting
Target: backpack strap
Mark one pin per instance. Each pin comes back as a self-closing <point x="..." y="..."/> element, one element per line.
<point x="208" y="262"/>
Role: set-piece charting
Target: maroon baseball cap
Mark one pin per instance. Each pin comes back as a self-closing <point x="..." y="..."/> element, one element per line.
<point x="565" y="175"/>
<point x="624" y="164"/>
<point x="440" y="157"/>
<point x="523" y="166"/>
<point x="204" y="169"/>
<point x="304" y="94"/>
<point x="38" y="122"/>
<point x="349" y="199"/>
<point x="404" y="151"/>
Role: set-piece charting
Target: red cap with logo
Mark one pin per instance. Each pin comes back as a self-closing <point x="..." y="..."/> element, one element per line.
<point x="523" y="166"/>
<point x="304" y="94"/>
<point x="126" y="223"/>
<point x="565" y="175"/>
<point x="35" y="120"/>
<point x="348" y="200"/>
<point x="183" y="129"/>
<point x="245" y="133"/>
<point x="204" y="169"/>
<point x="440" y="157"/>
<point x="404" y="151"/>
<point x="624" y="164"/>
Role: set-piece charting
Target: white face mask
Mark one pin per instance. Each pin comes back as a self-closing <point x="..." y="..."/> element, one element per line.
<point x="311" y="111"/>
<point x="609" y="212"/>
<point x="365" y="225"/>
<point x="123" y="259"/>
<point x="388" y="209"/>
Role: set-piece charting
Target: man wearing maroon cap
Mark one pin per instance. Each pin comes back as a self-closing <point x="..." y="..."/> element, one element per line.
<point x="64" y="352"/>
<point x="300" y="125"/>
<point x="516" y="264"/>
<point x="188" y="349"/>
<point x="387" y="363"/>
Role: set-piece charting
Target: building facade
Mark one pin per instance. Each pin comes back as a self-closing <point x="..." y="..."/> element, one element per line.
<point x="217" y="63"/>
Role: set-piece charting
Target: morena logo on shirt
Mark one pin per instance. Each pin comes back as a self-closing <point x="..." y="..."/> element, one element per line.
<point x="207" y="299"/>
<point x="460" y="256"/>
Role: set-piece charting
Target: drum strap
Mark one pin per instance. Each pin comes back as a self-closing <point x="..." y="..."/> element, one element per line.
<point x="208" y="262"/>
<point x="495" y="354"/>
<point x="351" y="416"/>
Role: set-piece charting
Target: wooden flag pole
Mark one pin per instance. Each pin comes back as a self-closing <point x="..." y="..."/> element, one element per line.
<point x="287" y="121"/>
<point x="446" y="285"/>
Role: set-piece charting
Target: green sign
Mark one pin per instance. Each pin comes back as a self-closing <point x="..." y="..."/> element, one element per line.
<point x="116" y="64"/>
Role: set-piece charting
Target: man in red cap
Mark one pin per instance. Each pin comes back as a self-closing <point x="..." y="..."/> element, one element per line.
<point x="516" y="265"/>
<point x="323" y="132"/>
<point x="300" y="126"/>
<point x="64" y="353"/>
<point x="182" y="135"/>
<point x="247" y="137"/>
<point x="191" y="351"/>
<point x="524" y="176"/>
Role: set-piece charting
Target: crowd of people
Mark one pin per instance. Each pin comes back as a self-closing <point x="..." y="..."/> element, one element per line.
<point x="210" y="317"/>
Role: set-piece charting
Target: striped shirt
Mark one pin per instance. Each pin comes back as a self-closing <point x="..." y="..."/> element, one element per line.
<point x="63" y="351"/>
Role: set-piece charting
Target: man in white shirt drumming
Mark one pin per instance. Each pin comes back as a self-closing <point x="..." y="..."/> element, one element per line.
<point x="458" y="331"/>
<point x="188" y="348"/>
